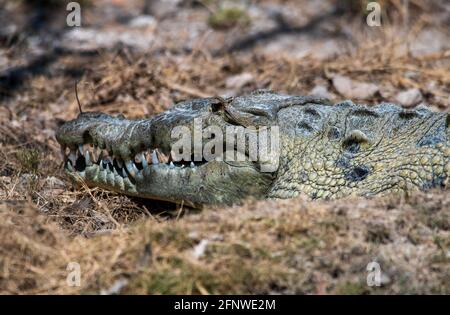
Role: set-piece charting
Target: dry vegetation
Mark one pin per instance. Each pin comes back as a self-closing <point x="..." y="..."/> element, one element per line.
<point x="128" y="245"/>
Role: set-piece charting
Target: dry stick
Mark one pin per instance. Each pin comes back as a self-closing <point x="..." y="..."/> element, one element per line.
<point x="181" y="210"/>
<point x="186" y="89"/>
<point x="201" y="288"/>
<point x="150" y="214"/>
<point x="76" y="95"/>
<point x="100" y="204"/>
<point x="13" y="188"/>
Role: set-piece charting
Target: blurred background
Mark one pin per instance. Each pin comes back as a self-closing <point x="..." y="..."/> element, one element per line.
<point x="201" y="48"/>
<point x="138" y="57"/>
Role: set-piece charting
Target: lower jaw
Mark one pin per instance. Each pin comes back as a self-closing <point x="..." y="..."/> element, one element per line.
<point x="177" y="184"/>
<point x="95" y="176"/>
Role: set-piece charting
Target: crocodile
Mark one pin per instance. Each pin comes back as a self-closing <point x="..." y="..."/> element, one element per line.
<point x="325" y="150"/>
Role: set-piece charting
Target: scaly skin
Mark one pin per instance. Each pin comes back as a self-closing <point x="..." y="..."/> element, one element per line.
<point x="326" y="151"/>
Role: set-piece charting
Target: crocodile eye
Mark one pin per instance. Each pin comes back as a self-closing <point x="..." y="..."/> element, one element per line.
<point x="216" y="107"/>
<point x="217" y="104"/>
<point x="353" y="141"/>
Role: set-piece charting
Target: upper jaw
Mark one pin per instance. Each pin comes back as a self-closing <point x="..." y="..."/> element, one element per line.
<point x="115" y="153"/>
<point x="116" y="135"/>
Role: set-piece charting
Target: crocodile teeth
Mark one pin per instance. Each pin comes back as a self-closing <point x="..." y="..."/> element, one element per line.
<point x="95" y="153"/>
<point x="108" y="159"/>
<point x="110" y="178"/>
<point x="103" y="154"/>
<point x="155" y="157"/>
<point x="143" y="160"/>
<point x="102" y="176"/>
<point x="131" y="168"/>
<point x="109" y="166"/>
<point x="119" y="182"/>
<point x="87" y="158"/>
<point x="63" y="152"/>
<point x="72" y="157"/>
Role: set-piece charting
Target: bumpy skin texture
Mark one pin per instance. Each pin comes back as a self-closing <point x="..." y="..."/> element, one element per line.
<point x="326" y="151"/>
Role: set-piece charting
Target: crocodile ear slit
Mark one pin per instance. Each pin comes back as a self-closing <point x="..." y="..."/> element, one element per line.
<point x="447" y="121"/>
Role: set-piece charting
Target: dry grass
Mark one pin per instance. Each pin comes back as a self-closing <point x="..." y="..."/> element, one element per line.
<point x="127" y="245"/>
<point x="301" y="247"/>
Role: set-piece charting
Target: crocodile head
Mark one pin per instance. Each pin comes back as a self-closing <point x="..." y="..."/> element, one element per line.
<point x="182" y="155"/>
<point x="203" y="151"/>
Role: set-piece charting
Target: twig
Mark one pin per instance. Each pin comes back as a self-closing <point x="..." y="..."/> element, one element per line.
<point x="76" y="95"/>
<point x="181" y="210"/>
<point x="186" y="89"/>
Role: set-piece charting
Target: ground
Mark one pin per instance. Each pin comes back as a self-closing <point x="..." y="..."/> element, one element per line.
<point x="140" y="57"/>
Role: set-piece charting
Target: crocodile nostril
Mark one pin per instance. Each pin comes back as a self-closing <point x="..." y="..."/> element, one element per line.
<point x="217" y="106"/>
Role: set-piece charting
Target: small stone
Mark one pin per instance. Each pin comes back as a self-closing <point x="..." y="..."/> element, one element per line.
<point x="239" y="81"/>
<point x="199" y="249"/>
<point x="385" y="279"/>
<point x="320" y="91"/>
<point x="354" y="89"/>
<point x="387" y="91"/>
<point x="55" y="182"/>
<point x="429" y="41"/>
<point x="115" y="288"/>
<point x="217" y="237"/>
<point x="143" y="21"/>
<point x="193" y="235"/>
<point x="409" y="98"/>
